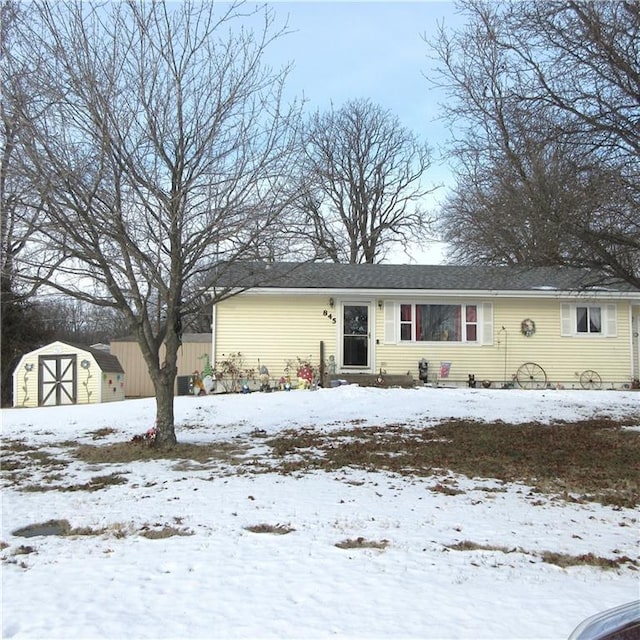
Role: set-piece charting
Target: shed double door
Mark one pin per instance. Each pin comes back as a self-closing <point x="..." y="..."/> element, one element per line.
<point x="57" y="380"/>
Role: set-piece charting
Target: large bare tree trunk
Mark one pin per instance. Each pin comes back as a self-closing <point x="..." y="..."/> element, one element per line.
<point x="165" y="429"/>
<point x="159" y="145"/>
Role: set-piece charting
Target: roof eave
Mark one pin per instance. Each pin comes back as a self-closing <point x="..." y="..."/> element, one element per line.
<point x="444" y="293"/>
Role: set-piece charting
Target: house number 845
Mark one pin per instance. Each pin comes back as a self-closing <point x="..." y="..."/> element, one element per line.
<point x="329" y="315"/>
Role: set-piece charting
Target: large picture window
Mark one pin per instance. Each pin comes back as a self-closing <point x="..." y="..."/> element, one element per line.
<point x="438" y="323"/>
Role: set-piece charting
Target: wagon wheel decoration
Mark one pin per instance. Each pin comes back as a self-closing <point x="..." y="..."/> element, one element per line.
<point x="590" y="380"/>
<point x="531" y="376"/>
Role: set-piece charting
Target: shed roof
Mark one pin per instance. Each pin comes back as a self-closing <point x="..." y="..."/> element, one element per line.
<point x="317" y="275"/>
<point x="106" y="361"/>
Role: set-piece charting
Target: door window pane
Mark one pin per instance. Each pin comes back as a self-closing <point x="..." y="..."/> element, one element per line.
<point x="355" y="351"/>
<point x="356" y="320"/>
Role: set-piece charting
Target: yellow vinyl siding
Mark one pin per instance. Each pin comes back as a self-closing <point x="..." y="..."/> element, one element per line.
<point x="271" y="330"/>
<point x="89" y="387"/>
<point x="88" y="381"/>
<point x="563" y="358"/>
<point x="25" y="383"/>
<point x="635" y="332"/>
<point x="112" y="387"/>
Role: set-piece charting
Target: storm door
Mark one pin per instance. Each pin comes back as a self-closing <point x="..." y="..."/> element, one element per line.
<point x="57" y="376"/>
<point x="355" y="335"/>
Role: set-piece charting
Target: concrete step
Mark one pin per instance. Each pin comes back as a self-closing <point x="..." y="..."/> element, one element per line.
<point x="373" y="380"/>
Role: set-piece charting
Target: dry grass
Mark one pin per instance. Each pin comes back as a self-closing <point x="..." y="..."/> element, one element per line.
<point x="468" y="545"/>
<point x="98" y="434"/>
<point x="166" y="531"/>
<point x="277" y="529"/>
<point x="594" y="459"/>
<point x="57" y="528"/>
<point x="123" y="452"/>
<point x="362" y="543"/>
<point x="563" y="560"/>
<point x="63" y="528"/>
<point x="95" y="484"/>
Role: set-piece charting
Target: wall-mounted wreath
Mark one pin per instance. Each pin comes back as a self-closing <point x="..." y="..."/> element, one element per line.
<point x="527" y="327"/>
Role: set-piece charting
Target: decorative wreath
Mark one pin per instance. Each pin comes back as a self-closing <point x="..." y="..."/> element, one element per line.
<point x="527" y="327"/>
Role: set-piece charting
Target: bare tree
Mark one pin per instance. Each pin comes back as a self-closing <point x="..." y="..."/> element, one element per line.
<point x="20" y="212"/>
<point x="546" y="95"/>
<point x="362" y="183"/>
<point x="73" y="320"/>
<point x="158" y="144"/>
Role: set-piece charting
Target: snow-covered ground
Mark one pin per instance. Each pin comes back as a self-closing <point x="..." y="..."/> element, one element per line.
<point x="224" y="581"/>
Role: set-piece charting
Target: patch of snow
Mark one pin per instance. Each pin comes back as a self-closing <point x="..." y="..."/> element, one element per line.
<point x="224" y="581"/>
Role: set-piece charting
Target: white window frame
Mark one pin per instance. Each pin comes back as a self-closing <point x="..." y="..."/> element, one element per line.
<point x="569" y="320"/>
<point x="483" y="323"/>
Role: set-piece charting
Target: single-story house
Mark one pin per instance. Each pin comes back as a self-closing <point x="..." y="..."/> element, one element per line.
<point x="529" y="327"/>
<point x="193" y="364"/>
<point x="61" y="373"/>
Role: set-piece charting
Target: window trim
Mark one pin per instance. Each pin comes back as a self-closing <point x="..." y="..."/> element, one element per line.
<point x="569" y="320"/>
<point x="481" y="315"/>
<point x="391" y="323"/>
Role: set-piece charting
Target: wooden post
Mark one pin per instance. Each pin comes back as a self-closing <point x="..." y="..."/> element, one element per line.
<point x="322" y="380"/>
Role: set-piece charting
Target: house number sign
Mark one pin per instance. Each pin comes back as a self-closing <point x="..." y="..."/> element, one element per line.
<point x="329" y="315"/>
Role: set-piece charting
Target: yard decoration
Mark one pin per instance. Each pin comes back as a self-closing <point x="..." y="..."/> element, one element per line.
<point x="198" y="385"/>
<point x="148" y="437"/>
<point x="527" y="327"/>
<point x="305" y="375"/>
<point x="264" y="378"/>
<point x="207" y="374"/>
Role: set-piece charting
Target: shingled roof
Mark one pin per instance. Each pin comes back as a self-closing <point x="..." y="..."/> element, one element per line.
<point x="316" y="275"/>
<point x="107" y="362"/>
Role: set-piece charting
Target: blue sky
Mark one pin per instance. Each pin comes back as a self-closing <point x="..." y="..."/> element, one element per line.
<point x="343" y="50"/>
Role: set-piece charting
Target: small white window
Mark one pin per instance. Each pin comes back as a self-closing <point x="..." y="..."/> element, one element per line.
<point x="588" y="320"/>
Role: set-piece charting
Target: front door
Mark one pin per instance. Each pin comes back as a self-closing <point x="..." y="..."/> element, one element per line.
<point x="57" y="375"/>
<point x="355" y="335"/>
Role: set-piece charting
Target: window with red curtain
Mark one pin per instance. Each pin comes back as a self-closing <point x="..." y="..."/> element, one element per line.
<point x="406" y="322"/>
<point x="438" y="323"/>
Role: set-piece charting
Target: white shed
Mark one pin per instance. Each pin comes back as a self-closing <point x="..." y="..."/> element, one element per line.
<point x="61" y="373"/>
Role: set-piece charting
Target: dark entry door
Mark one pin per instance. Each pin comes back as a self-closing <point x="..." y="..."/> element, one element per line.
<point x="355" y="335"/>
<point x="57" y="376"/>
